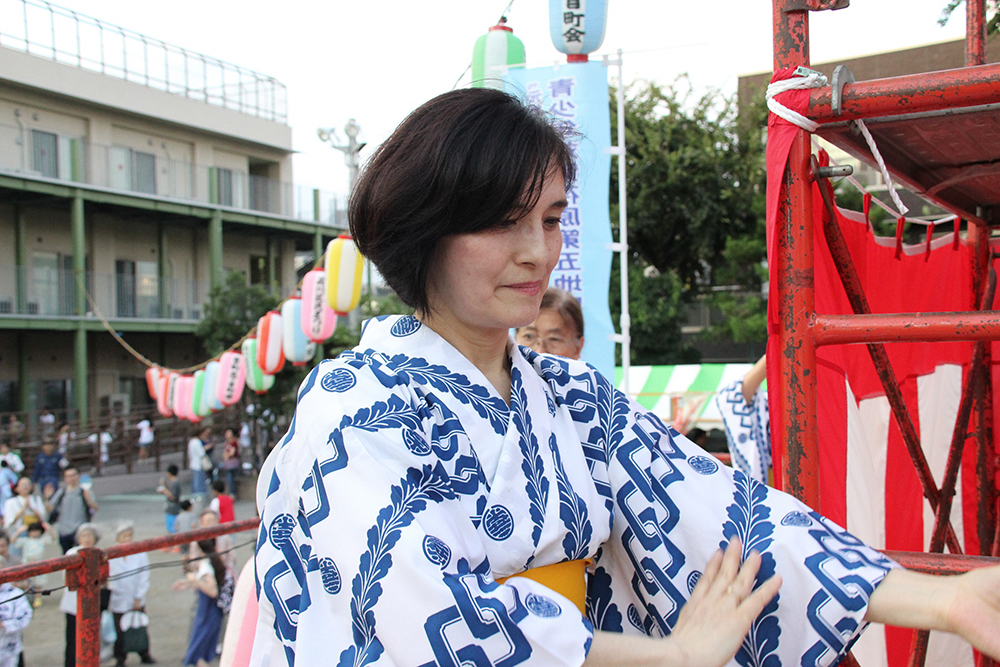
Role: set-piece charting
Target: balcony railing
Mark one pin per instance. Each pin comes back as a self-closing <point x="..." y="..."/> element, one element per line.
<point x="40" y="154"/>
<point x="46" y="291"/>
<point x="68" y="37"/>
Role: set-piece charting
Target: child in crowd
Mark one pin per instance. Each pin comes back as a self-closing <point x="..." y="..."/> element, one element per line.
<point x="170" y="488"/>
<point x="32" y="540"/>
<point x="15" y="614"/>
<point x="222" y="504"/>
<point x="185" y="521"/>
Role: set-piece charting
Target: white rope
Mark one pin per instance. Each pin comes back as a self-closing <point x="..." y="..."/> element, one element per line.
<point x="881" y="165"/>
<point x="804" y="78"/>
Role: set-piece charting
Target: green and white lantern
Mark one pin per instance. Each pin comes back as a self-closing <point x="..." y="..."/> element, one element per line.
<point x="494" y="52"/>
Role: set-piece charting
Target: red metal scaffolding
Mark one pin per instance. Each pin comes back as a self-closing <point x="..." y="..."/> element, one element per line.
<point x="800" y="330"/>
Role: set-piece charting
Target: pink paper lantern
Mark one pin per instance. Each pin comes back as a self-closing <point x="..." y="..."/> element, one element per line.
<point x="232" y="378"/>
<point x="182" y="398"/>
<point x="318" y="318"/>
<point x="270" y="353"/>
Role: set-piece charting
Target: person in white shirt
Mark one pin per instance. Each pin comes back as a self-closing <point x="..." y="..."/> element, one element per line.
<point x="128" y="581"/>
<point x="24" y="508"/>
<point x="197" y="459"/>
<point x="13" y="460"/>
<point x="145" y="438"/>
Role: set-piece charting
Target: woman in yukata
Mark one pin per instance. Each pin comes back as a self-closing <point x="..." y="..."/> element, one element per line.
<point x="434" y="477"/>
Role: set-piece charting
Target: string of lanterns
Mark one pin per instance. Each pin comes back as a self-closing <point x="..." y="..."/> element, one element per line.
<point x="289" y="333"/>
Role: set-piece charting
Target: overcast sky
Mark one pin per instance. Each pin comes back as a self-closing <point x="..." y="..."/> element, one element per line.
<point x="375" y="60"/>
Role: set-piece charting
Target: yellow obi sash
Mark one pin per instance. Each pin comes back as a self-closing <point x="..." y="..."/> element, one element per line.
<point x="569" y="579"/>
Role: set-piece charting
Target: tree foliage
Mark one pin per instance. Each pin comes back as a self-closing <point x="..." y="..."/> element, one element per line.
<point x="992" y="14"/>
<point x="696" y="196"/>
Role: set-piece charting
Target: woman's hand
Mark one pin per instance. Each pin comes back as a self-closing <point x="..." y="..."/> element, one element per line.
<point x="723" y="605"/>
<point x="974" y="613"/>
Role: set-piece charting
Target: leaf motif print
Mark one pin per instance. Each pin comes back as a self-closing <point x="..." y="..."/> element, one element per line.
<point x="486" y="406"/>
<point x="394" y="413"/>
<point x="537" y="486"/>
<point x="601" y="611"/>
<point x="572" y="510"/>
<point x="420" y="486"/>
<point x="749" y="520"/>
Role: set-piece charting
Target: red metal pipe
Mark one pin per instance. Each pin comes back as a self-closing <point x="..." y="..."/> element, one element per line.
<point x="906" y="327"/>
<point x="791" y="34"/>
<point x="975" y="32"/>
<point x="119" y="550"/>
<point x="931" y="91"/>
<point x="796" y="352"/>
<point x="940" y="563"/>
<point x="22" y="572"/>
<point x="86" y="580"/>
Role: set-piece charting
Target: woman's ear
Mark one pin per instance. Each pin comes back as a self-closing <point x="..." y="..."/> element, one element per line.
<point x="579" y="348"/>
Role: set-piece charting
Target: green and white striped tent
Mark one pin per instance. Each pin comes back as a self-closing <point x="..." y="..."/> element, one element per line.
<point x="681" y="395"/>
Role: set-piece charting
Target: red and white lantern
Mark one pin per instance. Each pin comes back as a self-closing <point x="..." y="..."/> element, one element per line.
<point x="163" y="403"/>
<point x="270" y="354"/>
<point x="232" y="378"/>
<point x="153" y="375"/>
<point x="318" y="318"/>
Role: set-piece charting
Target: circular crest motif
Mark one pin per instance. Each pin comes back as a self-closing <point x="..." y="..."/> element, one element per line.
<point x="796" y="518"/>
<point x="330" y="574"/>
<point x="742" y="438"/>
<point x="703" y="465"/>
<point x="415" y="443"/>
<point x="281" y="530"/>
<point x="693" y="579"/>
<point x="539" y="605"/>
<point x="552" y="406"/>
<point x="405" y="326"/>
<point x="498" y="523"/>
<point x="436" y="550"/>
<point x="338" y="380"/>
<point x="633" y="618"/>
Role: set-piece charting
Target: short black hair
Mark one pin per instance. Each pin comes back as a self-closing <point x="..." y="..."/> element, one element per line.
<point x="464" y="162"/>
<point x="185" y="504"/>
<point x="219" y="486"/>
<point x="173" y="469"/>
<point x="36" y="527"/>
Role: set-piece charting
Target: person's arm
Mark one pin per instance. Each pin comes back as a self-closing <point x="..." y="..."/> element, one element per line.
<point x="142" y="584"/>
<point x="753" y="378"/>
<point x="966" y="604"/>
<point x="88" y="497"/>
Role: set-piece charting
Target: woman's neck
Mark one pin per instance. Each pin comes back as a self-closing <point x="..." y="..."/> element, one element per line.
<point x="485" y="348"/>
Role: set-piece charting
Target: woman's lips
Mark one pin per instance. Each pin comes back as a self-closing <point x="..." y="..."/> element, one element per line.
<point x="526" y="288"/>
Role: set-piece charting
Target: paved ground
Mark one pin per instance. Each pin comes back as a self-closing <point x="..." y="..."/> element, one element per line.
<point x="133" y="498"/>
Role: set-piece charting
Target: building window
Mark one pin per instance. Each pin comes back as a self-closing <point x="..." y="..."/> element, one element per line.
<point x="224" y="186"/>
<point x="125" y="288"/>
<point x="45" y="153"/>
<point x="133" y="170"/>
<point x="259" y="271"/>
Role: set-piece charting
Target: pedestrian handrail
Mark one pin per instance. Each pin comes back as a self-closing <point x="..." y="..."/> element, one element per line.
<point x="87" y="571"/>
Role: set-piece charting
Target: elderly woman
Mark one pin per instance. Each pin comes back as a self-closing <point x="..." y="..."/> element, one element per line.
<point x="128" y="581"/>
<point x="558" y="328"/>
<point x="440" y="490"/>
<point x="23" y="508"/>
<point x="87" y="537"/>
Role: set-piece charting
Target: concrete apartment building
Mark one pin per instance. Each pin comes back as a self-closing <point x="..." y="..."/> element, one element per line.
<point x="145" y="173"/>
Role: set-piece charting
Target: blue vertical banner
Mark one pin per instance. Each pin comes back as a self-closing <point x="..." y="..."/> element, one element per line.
<point x="576" y="95"/>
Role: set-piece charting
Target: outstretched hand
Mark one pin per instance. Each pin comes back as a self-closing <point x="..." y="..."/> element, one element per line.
<point x="974" y="613"/>
<point x="723" y="605"/>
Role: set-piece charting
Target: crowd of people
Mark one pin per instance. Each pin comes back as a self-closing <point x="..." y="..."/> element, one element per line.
<point x="49" y="503"/>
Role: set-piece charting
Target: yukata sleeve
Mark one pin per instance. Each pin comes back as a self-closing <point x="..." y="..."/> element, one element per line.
<point x="749" y="446"/>
<point x="367" y="555"/>
<point x="675" y="505"/>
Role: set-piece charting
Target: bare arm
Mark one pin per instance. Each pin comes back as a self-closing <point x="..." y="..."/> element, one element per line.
<point x="967" y="604"/>
<point x="711" y="625"/>
<point x="753" y="378"/>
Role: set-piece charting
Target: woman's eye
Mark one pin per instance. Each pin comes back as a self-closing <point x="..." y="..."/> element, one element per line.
<point x="552" y="222"/>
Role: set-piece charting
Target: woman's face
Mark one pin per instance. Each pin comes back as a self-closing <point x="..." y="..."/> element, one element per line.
<point x="86" y="539"/>
<point x="124" y="537"/>
<point x="551" y="333"/>
<point x="495" y="279"/>
<point x="24" y="486"/>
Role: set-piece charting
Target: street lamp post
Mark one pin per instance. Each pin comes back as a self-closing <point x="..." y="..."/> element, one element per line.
<point x="351" y="149"/>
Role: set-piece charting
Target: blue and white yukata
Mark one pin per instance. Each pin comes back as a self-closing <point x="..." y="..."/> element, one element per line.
<point x="748" y="429"/>
<point x="406" y="486"/>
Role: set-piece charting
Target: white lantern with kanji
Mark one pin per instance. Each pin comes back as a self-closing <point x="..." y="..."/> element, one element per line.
<point x="318" y="318"/>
